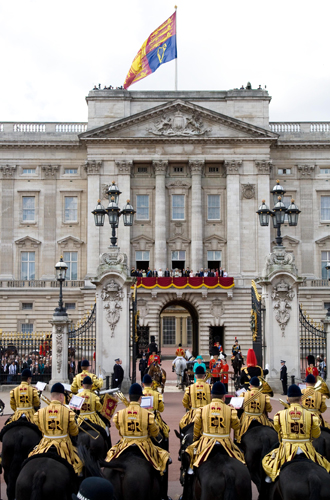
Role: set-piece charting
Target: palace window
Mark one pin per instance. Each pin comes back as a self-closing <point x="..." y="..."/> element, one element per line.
<point x="213" y="207"/>
<point x="27" y="171"/>
<point x="324" y="170"/>
<point x="214" y="259"/>
<point x="325" y="208"/>
<point x="142" y="259"/>
<point x="142" y="207"/>
<point x="70" y="208"/>
<point x="71" y="260"/>
<point x="27" y="306"/>
<point x="27" y="328"/>
<point x="284" y="171"/>
<point x="178" y="206"/>
<point x="178" y="259"/>
<point x="28" y="208"/>
<point x="72" y="171"/>
<point x="169" y="330"/>
<point x="28" y="266"/>
<point x="325" y="258"/>
<point x="70" y="305"/>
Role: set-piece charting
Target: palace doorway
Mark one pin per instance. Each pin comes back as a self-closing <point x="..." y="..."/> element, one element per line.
<point x="178" y="324"/>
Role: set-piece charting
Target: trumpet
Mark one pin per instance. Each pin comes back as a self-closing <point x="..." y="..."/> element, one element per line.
<point x="122" y="398"/>
<point x="48" y="401"/>
<point x="255" y="396"/>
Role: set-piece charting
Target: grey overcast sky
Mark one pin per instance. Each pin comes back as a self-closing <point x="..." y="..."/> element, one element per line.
<point x="52" y="53"/>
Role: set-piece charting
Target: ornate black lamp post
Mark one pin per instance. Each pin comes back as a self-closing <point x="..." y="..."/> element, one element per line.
<point x="61" y="269"/>
<point x="278" y="213"/>
<point x="113" y="212"/>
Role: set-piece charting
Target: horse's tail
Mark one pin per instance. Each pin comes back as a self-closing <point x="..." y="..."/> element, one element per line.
<point x="38" y="480"/>
<point x="92" y="467"/>
<point x="315" y="485"/>
<point x="230" y="493"/>
<point x="15" y="465"/>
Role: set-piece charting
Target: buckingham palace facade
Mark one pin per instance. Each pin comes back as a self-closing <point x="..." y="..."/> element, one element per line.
<point x="196" y="166"/>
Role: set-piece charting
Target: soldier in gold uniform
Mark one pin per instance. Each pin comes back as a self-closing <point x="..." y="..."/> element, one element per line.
<point x="213" y="424"/>
<point x="136" y="425"/>
<point x="24" y="399"/>
<point x="92" y="404"/>
<point x="158" y="405"/>
<point x="256" y="406"/>
<point x="314" y="401"/>
<point x="196" y="396"/>
<point x="57" y="423"/>
<point x="77" y="381"/>
<point x="296" y="428"/>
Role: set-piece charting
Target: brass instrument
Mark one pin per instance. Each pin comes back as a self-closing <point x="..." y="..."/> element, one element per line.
<point x="266" y="387"/>
<point x="286" y="405"/>
<point x="324" y="388"/>
<point x="48" y="401"/>
<point x="317" y="387"/>
<point x="122" y="398"/>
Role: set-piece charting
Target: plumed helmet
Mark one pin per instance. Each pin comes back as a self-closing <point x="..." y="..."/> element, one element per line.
<point x="58" y="388"/>
<point x="200" y="370"/>
<point x="294" y="391"/>
<point x="251" y="358"/>
<point x="310" y="379"/>
<point x="93" y="488"/>
<point x="218" y="389"/>
<point x="85" y="362"/>
<point x="152" y="338"/>
<point x="214" y="351"/>
<point x="254" y="382"/>
<point x="87" y="380"/>
<point x="147" y="379"/>
<point x="26" y="373"/>
<point x="135" y="390"/>
<point x="217" y="339"/>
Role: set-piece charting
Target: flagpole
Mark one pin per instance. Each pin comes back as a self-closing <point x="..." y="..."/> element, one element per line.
<point x="176" y="59"/>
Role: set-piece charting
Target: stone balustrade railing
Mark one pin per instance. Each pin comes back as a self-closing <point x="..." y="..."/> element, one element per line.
<point x="299" y="127"/>
<point x="48" y="127"/>
<point x="40" y="284"/>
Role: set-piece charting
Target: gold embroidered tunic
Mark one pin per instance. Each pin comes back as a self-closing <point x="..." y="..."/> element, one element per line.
<point x="136" y="425"/>
<point x="57" y="423"/>
<point x="158" y="407"/>
<point x="296" y="428"/>
<point x="256" y="406"/>
<point x="196" y="396"/>
<point x="23" y="400"/>
<point x="91" y="405"/>
<point x="212" y="424"/>
<point x="314" y="401"/>
<point x="77" y="381"/>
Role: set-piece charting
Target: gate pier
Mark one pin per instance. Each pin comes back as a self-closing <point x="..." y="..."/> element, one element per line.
<point x="60" y="331"/>
<point x="280" y="283"/>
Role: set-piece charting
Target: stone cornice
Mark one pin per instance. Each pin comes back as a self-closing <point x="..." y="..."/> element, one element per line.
<point x="302" y="145"/>
<point x="184" y="140"/>
<point x="43" y="145"/>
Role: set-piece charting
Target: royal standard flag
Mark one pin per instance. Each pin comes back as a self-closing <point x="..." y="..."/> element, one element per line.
<point x="159" y="48"/>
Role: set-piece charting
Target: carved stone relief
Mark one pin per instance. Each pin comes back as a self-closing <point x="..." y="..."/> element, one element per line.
<point x="282" y="295"/>
<point x="216" y="308"/>
<point x="50" y="170"/>
<point x="160" y="166"/>
<point x="112" y="295"/>
<point x="306" y="171"/>
<point x="232" y="167"/>
<point x="248" y="191"/>
<point x="263" y="166"/>
<point x="8" y="170"/>
<point x="59" y="348"/>
<point x="92" y="166"/>
<point x="113" y="258"/>
<point x="196" y="167"/>
<point x="179" y="124"/>
<point x="124" y="166"/>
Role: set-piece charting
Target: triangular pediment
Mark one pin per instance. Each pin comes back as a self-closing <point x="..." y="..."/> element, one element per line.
<point x="180" y="120"/>
<point x="288" y="241"/>
<point x="215" y="237"/>
<point x="323" y="241"/>
<point x="27" y="241"/>
<point x="178" y="239"/>
<point x="70" y="240"/>
<point x="142" y="237"/>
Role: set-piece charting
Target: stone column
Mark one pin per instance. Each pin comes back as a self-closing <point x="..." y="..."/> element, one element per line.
<point x="306" y="222"/>
<point x="92" y="168"/>
<point x="60" y="349"/>
<point x="280" y="284"/>
<point x="124" y="168"/>
<point x="233" y="265"/>
<point x="113" y="292"/>
<point x="197" y="215"/>
<point x="7" y="221"/>
<point x="263" y="233"/>
<point x="160" y="255"/>
<point x="49" y="172"/>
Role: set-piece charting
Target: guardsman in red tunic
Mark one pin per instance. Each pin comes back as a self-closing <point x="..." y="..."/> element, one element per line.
<point x="224" y="373"/>
<point x="217" y="344"/>
<point x="311" y="368"/>
<point x="153" y="358"/>
<point x="180" y="351"/>
<point x="215" y="365"/>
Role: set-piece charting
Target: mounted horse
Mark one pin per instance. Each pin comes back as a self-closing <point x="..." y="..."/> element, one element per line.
<point x="180" y="364"/>
<point x="158" y="376"/>
<point x="46" y="476"/>
<point x="18" y="439"/>
<point x="237" y="363"/>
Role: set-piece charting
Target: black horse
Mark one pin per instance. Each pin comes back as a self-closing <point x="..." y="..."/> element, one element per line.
<point x="131" y="475"/>
<point x="18" y="439"/>
<point x="99" y="445"/>
<point x="299" y="479"/>
<point x="46" y="476"/>
<point x="257" y="441"/>
<point x="237" y="363"/>
<point x="222" y="477"/>
<point x="322" y="443"/>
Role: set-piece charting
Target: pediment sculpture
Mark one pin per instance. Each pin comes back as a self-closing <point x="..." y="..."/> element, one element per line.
<point x="179" y="125"/>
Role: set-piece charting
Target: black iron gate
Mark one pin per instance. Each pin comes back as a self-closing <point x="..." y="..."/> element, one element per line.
<point x="256" y="322"/>
<point x="313" y="340"/>
<point x="82" y="345"/>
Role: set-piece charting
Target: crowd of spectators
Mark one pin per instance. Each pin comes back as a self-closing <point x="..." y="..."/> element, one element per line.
<point x="13" y="365"/>
<point x="179" y="273"/>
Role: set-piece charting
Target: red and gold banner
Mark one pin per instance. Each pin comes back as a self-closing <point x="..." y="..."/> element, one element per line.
<point x="185" y="282"/>
<point x="109" y="406"/>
